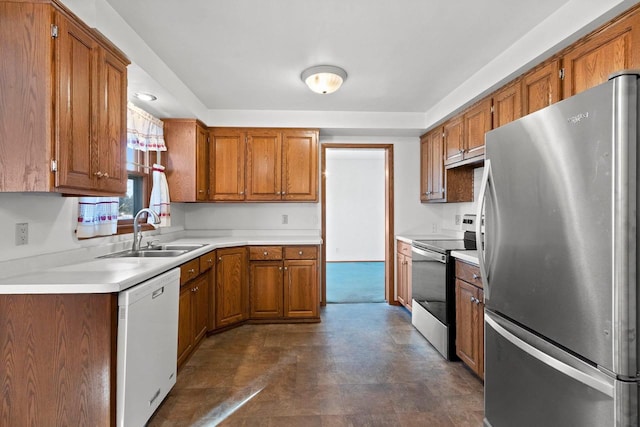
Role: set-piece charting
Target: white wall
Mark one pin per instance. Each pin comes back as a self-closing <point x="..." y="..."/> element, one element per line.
<point x="52" y="222"/>
<point x="355" y="208"/>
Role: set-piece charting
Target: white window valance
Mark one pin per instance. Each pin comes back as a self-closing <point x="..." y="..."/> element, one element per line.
<point x="144" y="132"/>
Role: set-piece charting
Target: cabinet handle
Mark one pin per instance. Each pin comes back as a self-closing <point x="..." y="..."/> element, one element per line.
<point x="280" y="268"/>
<point x="242" y="193"/>
<point x="191" y="271"/>
<point x="286" y="268"/>
<point x="283" y="193"/>
<point x="278" y="193"/>
<point x="98" y="174"/>
<point x="300" y="253"/>
<point x="210" y="260"/>
<point x="105" y="175"/>
<point x="265" y="253"/>
<point x="473" y="299"/>
<point x="475" y="276"/>
<point x="200" y="191"/>
<point x="219" y="258"/>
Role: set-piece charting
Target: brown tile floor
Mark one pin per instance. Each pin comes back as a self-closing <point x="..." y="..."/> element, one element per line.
<point x="364" y="365"/>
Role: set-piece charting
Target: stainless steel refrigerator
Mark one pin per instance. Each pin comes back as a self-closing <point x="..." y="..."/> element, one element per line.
<point x="559" y="263"/>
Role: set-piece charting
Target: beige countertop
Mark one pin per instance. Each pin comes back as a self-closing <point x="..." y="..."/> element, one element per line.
<point x="105" y="275"/>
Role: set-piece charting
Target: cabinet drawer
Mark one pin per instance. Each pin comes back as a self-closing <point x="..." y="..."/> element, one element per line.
<point x="189" y="270"/>
<point x="301" y="252"/>
<point x="257" y="253"/>
<point x="206" y="261"/>
<point x="469" y="273"/>
<point x="404" y="248"/>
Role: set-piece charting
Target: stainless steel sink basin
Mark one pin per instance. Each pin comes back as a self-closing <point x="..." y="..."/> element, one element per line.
<point x="158" y="251"/>
<point x="146" y="253"/>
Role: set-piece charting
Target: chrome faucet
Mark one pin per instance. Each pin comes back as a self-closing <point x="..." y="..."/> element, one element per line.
<point x="136" y="227"/>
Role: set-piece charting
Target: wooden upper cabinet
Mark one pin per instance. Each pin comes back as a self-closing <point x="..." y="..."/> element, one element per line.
<point x="507" y="104"/>
<point x="112" y="121"/>
<point x="65" y="129"/>
<point x="226" y="164"/>
<point x="431" y="166"/>
<point x="593" y="60"/>
<point x="77" y="84"/>
<point x="477" y="122"/>
<point x="453" y="131"/>
<point x="187" y="159"/>
<point x="541" y="87"/>
<point x="300" y="165"/>
<point x="264" y="164"/>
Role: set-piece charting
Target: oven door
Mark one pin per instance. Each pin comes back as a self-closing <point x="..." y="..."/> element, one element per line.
<point x="429" y="282"/>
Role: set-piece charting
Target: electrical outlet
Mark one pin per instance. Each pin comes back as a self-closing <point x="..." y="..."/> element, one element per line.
<point x="22" y="233"/>
<point x="458" y="219"/>
<point x="285" y="219"/>
<point x="434" y="228"/>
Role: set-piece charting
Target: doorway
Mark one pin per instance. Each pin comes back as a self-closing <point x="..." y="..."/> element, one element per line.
<point x="385" y="224"/>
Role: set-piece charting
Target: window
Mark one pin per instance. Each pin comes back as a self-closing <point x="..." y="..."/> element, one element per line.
<point x="138" y="189"/>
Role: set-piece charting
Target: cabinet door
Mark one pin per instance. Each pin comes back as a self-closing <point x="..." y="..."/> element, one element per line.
<point x="185" y="329"/>
<point x="425" y="168"/>
<point x="226" y="164"/>
<point x="453" y="133"/>
<point x="467" y="324"/>
<point x="591" y="63"/>
<point x="77" y="85"/>
<point x="200" y="306"/>
<point x="541" y="87"/>
<point x="231" y="282"/>
<point x="401" y="279"/>
<point x="202" y="163"/>
<point x="300" y="165"/>
<point x="112" y="119"/>
<point x="408" y="264"/>
<point x="265" y="289"/>
<point x="477" y="122"/>
<point x="264" y="165"/>
<point x="436" y="166"/>
<point x="301" y="298"/>
<point x="507" y="104"/>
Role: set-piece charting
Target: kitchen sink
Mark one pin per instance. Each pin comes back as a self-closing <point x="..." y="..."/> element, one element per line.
<point x="159" y="251"/>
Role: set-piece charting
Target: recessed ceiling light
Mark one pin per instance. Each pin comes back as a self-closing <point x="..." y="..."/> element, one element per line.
<point x="145" y="96"/>
<point x="324" y="78"/>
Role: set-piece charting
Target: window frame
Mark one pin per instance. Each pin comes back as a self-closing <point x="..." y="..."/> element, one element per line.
<point x="140" y="168"/>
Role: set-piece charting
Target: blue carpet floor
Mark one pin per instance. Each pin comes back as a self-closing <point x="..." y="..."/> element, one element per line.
<point x="355" y="282"/>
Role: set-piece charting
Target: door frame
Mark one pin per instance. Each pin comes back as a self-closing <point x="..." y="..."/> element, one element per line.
<point x="389" y="284"/>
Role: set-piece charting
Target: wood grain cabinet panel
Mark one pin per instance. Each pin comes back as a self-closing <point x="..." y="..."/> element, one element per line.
<point x="541" y="87"/>
<point x="187" y="159"/>
<point x="265" y="289"/>
<point x="231" y="286"/>
<point x="300" y="165"/>
<point x="593" y="60"/>
<point x="477" y="122"/>
<point x="507" y="104"/>
<point x="301" y="288"/>
<point x="469" y="317"/>
<point x="453" y="134"/>
<point x="432" y="167"/>
<point x="67" y="86"/>
<point x="227" y="164"/>
<point x="59" y="360"/>
<point x="264" y="165"/>
<point x="403" y="278"/>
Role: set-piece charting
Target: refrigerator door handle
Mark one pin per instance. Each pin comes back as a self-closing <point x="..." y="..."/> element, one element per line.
<point x="480" y="219"/>
<point x="584" y="378"/>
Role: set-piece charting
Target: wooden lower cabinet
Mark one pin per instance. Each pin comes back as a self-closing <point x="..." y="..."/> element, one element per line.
<point x="193" y="312"/>
<point x="60" y="359"/>
<point x="470" y="318"/>
<point x="283" y="282"/>
<point x="232" y="294"/>
<point x="403" y="278"/>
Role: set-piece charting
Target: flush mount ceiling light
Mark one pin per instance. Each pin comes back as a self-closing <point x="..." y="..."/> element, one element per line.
<point x="145" y="96"/>
<point x="324" y="78"/>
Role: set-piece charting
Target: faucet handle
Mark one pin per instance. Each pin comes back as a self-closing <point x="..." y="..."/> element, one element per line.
<point x="152" y="243"/>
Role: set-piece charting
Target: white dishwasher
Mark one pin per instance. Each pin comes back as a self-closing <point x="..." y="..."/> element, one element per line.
<point x="147" y="347"/>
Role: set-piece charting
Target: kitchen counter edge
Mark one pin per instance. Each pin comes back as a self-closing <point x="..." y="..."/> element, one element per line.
<point x="468" y="256"/>
<point x="106" y="275"/>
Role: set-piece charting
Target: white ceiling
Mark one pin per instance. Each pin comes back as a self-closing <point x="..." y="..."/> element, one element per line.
<point x="400" y="55"/>
<point x="235" y="62"/>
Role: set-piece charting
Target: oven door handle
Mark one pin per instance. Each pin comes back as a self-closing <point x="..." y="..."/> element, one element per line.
<point x="434" y="256"/>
